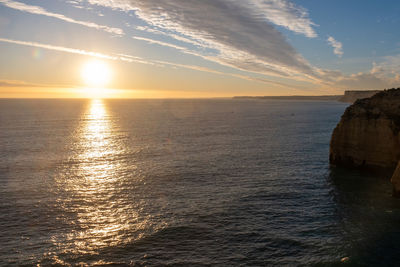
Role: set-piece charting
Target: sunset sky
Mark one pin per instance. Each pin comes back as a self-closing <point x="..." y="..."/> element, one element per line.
<point x="198" y="48"/>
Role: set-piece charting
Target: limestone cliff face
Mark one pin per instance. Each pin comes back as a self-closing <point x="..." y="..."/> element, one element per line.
<point x="368" y="133"/>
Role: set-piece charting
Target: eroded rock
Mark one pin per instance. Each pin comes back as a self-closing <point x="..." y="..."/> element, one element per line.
<point x="368" y="134"/>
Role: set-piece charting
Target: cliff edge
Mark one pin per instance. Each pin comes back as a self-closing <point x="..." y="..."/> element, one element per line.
<point x="368" y="134"/>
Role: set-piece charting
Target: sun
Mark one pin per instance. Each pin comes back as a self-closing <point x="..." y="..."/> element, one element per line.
<point x="96" y="73"/>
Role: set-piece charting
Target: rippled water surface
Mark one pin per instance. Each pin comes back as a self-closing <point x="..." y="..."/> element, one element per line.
<point x="185" y="182"/>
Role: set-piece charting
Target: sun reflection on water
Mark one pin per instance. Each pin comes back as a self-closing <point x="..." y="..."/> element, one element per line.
<point x="98" y="212"/>
<point x="102" y="214"/>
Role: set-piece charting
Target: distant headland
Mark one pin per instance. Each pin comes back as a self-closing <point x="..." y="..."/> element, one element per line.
<point x="349" y="96"/>
<point x="293" y="97"/>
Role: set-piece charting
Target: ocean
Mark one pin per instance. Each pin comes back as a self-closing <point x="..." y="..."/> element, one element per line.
<point x="217" y="182"/>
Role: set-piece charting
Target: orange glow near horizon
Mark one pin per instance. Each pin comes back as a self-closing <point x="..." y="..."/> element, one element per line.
<point x="93" y="93"/>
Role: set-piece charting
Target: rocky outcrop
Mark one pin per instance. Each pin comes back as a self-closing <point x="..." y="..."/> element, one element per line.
<point x="368" y="133"/>
<point x="351" y="96"/>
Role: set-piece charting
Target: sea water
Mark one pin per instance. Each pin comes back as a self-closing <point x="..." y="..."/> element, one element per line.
<point x="220" y="182"/>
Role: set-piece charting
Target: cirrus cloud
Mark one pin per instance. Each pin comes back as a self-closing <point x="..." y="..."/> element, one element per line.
<point x="241" y="33"/>
<point x="41" y="11"/>
<point x="337" y="46"/>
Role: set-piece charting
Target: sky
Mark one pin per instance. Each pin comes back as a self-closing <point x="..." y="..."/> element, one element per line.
<point x="198" y="48"/>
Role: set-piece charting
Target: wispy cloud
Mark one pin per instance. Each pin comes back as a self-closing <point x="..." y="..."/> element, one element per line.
<point x="152" y="41"/>
<point x="384" y="74"/>
<point x="337" y="46"/>
<point x="171" y="35"/>
<point x="14" y="83"/>
<point x="240" y="76"/>
<point x="240" y="32"/>
<point x="41" y="11"/>
<point x="60" y="49"/>
<point x="126" y="58"/>
<point x="120" y="57"/>
<point x="285" y="14"/>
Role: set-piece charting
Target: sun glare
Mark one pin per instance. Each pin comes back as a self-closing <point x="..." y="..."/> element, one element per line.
<point x="96" y="73"/>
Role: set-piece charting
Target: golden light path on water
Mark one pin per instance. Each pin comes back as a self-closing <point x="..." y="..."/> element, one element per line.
<point x="104" y="215"/>
<point x="96" y="188"/>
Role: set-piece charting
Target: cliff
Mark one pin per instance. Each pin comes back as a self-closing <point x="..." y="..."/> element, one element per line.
<point x="352" y="96"/>
<point x="368" y="134"/>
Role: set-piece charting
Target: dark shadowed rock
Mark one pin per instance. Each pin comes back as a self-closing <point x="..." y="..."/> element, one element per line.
<point x="396" y="181"/>
<point x="368" y="133"/>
